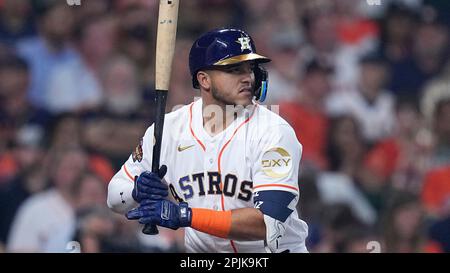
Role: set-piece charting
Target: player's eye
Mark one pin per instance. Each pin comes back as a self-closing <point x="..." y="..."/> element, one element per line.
<point x="236" y="70"/>
<point x="240" y="69"/>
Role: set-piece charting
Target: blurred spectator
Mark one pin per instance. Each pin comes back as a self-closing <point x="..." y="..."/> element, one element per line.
<point x="136" y="37"/>
<point x="181" y="90"/>
<point x="94" y="226"/>
<point x="403" y="224"/>
<point x="397" y="33"/>
<point x="45" y="222"/>
<point x="335" y="188"/>
<point x="283" y="70"/>
<point x="5" y="51"/>
<point x="8" y="166"/>
<point x="344" y="145"/>
<point x="346" y="181"/>
<point x="307" y="115"/>
<point x="121" y="86"/>
<point x="338" y="219"/>
<point x="438" y="233"/>
<point x="30" y="177"/>
<point x="403" y="159"/>
<point x="122" y="118"/>
<point x="353" y="28"/>
<point x="15" y="110"/>
<point x="257" y="11"/>
<point x="16" y="21"/>
<point x="321" y="28"/>
<point x="75" y="86"/>
<point x="24" y="151"/>
<point x="89" y="190"/>
<point x="167" y="241"/>
<point x="441" y="128"/>
<point x="101" y="231"/>
<point x="442" y="7"/>
<point x="221" y="13"/>
<point x="285" y="40"/>
<point x="430" y="52"/>
<point x="90" y="9"/>
<point x="17" y="116"/>
<point x="357" y="239"/>
<point x="436" y="189"/>
<point x="310" y="207"/>
<point x="49" y="48"/>
<point x="370" y="103"/>
<point x="433" y="92"/>
<point x="67" y="132"/>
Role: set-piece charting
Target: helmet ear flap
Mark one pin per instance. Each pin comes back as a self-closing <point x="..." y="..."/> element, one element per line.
<point x="261" y="83"/>
<point x="195" y="82"/>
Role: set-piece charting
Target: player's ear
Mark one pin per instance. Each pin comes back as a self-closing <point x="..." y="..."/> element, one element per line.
<point x="204" y="80"/>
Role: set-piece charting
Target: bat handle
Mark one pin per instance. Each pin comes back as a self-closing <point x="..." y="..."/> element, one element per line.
<point x="160" y="110"/>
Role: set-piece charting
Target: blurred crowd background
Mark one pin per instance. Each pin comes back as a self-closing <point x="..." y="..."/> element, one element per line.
<point x="365" y="86"/>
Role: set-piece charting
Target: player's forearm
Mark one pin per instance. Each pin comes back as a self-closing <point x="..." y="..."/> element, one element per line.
<point x="239" y="224"/>
<point x="247" y="224"/>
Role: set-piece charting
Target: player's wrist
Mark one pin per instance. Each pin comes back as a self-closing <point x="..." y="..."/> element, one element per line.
<point x="185" y="215"/>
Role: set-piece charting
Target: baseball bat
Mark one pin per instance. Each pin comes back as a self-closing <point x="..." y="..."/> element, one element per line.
<point x="165" y="48"/>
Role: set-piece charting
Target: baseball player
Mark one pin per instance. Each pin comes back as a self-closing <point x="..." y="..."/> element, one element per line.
<point x="232" y="164"/>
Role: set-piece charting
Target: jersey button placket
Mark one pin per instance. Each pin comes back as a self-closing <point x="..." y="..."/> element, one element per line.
<point x="212" y="160"/>
<point x="212" y="154"/>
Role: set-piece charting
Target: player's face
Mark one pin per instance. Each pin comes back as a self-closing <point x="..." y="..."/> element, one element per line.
<point x="233" y="85"/>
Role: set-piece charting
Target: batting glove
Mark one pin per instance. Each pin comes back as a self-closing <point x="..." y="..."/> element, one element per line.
<point x="149" y="186"/>
<point x="162" y="213"/>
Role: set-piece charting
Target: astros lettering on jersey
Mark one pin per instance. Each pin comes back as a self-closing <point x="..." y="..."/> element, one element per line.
<point x="259" y="152"/>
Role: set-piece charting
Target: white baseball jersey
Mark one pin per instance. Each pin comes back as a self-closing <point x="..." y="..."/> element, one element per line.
<point x="257" y="152"/>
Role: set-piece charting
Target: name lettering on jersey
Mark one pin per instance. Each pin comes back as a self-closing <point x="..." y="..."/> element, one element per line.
<point x="198" y="184"/>
<point x="276" y="163"/>
<point x="214" y="183"/>
<point x="229" y="187"/>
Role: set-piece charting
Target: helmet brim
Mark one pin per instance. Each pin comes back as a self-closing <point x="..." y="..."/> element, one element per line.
<point x="242" y="58"/>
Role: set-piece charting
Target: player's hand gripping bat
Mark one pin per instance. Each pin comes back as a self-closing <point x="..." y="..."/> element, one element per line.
<point x="165" y="47"/>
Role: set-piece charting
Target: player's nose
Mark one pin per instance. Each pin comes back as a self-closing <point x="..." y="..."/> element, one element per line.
<point x="247" y="73"/>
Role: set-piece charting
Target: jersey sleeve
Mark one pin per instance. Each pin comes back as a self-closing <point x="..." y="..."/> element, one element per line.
<point x="140" y="159"/>
<point x="121" y="185"/>
<point x="275" y="182"/>
<point x="277" y="161"/>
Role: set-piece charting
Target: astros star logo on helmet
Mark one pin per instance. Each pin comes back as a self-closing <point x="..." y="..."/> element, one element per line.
<point x="245" y="43"/>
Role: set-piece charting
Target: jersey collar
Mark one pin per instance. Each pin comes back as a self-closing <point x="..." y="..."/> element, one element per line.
<point x="199" y="130"/>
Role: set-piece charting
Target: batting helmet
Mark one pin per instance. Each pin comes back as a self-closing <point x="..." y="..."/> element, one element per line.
<point x="224" y="47"/>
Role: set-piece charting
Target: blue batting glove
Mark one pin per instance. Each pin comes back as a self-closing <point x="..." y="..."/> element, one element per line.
<point x="149" y="185"/>
<point x="163" y="213"/>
